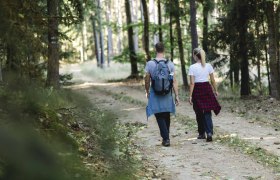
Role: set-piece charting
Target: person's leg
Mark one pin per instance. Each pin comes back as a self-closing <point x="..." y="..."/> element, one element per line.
<point x="162" y="126"/>
<point x="167" y="120"/>
<point x="208" y="124"/>
<point x="200" y="125"/>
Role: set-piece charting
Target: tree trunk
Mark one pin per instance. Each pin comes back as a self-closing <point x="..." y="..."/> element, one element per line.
<point x="266" y="59"/>
<point x="171" y="8"/>
<point x="180" y="44"/>
<point x="159" y="22"/>
<point x="132" y="54"/>
<point x="258" y="48"/>
<point x="274" y="74"/>
<point x="146" y="30"/>
<point x="231" y="67"/>
<point x="277" y="38"/>
<point x="194" y="37"/>
<point x="84" y="42"/>
<point x="243" y="49"/>
<point x="134" y="10"/>
<point x="101" y="36"/>
<point x="152" y="9"/>
<point x="11" y="62"/>
<point x="205" y="26"/>
<point x="110" y="34"/>
<point x="53" y="46"/>
<point x="119" y="30"/>
<point x="1" y="76"/>
<point x="96" y="41"/>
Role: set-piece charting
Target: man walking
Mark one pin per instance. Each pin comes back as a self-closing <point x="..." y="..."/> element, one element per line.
<point x="160" y="80"/>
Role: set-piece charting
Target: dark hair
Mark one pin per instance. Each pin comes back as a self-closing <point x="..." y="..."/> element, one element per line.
<point x="159" y="47"/>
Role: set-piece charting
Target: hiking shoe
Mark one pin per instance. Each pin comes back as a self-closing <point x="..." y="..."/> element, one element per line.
<point x="209" y="138"/>
<point x="201" y="136"/>
<point x="166" y="142"/>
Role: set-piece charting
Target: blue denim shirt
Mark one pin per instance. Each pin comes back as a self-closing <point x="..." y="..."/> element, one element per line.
<point x="157" y="104"/>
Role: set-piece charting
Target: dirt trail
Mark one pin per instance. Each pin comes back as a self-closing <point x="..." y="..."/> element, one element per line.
<point x="262" y="136"/>
<point x="187" y="158"/>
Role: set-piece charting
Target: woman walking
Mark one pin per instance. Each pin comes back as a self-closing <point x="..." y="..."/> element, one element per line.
<point x="202" y="96"/>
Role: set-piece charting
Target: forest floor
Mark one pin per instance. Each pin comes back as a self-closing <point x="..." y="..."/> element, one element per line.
<point x="246" y="141"/>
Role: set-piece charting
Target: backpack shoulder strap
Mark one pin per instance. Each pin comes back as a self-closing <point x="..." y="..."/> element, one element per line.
<point x="166" y="62"/>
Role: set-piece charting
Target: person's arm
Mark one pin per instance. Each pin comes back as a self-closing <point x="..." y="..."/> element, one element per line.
<point x="147" y="84"/>
<point x="213" y="82"/>
<point x="175" y="88"/>
<point x="191" y="89"/>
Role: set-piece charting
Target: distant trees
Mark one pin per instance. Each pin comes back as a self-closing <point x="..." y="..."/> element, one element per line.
<point x="240" y="35"/>
<point x="132" y="54"/>
<point x="249" y="31"/>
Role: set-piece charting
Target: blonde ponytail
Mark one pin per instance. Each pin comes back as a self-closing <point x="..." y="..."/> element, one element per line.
<point x="200" y="54"/>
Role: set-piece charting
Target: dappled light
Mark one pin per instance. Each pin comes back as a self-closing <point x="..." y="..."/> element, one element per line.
<point x="139" y="89"/>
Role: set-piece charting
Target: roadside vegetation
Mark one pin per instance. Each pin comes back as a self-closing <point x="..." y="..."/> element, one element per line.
<point x="58" y="134"/>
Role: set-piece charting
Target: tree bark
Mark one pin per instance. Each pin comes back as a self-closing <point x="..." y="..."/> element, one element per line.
<point x="96" y="41"/>
<point x="277" y="38"/>
<point x="84" y="42"/>
<point x="194" y="37"/>
<point x="205" y="26"/>
<point x="243" y="49"/>
<point x="132" y="54"/>
<point x="53" y="46"/>
<point x="110" y="34"/>
<point x="231" y="67"/>
<point x="134" y="10"/>
<point x="101" y="36"/>
<point x="266" y="60"/>
<point x="11" y="62"/>
<point x="1" y="76"/>
<point x="171" y="8"/>
<point x="258" y="55"/>
<point x="159" y="22"/>
<point x="272" y="50"/>
<point x="180" y="44"/>
<point x="120" y="33"/>
<point x="146" y="30"/>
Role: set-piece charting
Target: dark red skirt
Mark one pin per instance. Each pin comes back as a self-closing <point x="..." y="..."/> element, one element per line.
<point x="204" y="100"/>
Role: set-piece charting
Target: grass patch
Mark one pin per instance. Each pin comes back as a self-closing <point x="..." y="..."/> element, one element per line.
<point x="261" y="155"/>
<point x="187" y="122"/>
<point x="57" y="134"/>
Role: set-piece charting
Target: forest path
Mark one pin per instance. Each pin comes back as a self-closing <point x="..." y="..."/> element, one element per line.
<point x="187" y="158"/>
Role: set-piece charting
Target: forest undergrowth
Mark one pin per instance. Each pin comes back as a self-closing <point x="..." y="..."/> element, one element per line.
<point x="59" y="134"/>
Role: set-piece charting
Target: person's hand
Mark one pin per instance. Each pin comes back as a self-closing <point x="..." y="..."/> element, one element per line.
<point x="216" y="93"/>
<point x="190" y="100"/>
<point x="147" y="95"/>
<point x="177" y="101"/>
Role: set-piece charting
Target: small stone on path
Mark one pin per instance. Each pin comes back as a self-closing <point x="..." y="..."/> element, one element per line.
<point x="277" y="143"/>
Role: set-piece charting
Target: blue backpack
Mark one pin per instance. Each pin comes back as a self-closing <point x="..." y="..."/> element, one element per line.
<point x="162" y="80"/>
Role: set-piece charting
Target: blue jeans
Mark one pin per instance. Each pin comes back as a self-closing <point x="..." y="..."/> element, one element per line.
<point x="163" y="120"/>
<point x="204" y="123"/>
<point x="208" y="123"/>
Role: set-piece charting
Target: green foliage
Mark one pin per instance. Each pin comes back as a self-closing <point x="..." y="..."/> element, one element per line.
<point x="34" y="139"/>
<point x="55" y="133"/>
<point x="124" y="57"/>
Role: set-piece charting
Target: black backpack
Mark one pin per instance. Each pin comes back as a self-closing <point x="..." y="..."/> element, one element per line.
<point x="162" y="80"/>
